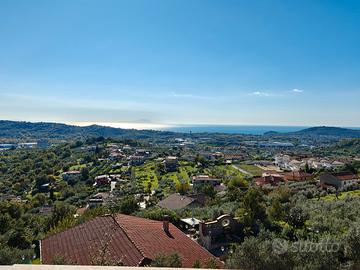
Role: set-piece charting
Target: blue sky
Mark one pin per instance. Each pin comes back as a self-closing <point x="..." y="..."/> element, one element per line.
<point x="181" y="62"/>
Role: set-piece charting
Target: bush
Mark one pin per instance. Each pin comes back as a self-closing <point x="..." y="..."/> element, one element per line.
<point x="172" y="260"/>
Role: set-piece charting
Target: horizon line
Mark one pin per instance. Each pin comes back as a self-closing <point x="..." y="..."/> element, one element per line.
<point x="159" y="126"/>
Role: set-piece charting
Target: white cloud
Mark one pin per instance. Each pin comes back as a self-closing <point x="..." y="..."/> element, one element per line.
<point x="297" y="90"/>
<point x="260" y="94"/>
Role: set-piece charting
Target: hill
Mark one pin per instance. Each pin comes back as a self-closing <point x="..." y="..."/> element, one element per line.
<point x="54" y="131"/>
<point x="346" y="147"/>
<point x="321" y="131"/>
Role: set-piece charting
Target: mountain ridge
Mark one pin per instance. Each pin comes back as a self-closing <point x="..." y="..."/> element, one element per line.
<point x="321" y="131"/>
<point x="47" y="130"/>
<point x="59" y="131"/>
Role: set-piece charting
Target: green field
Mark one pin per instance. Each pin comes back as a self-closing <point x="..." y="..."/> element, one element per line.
<point x="146" y="174"/>
<point x="77" y="167"/>
<point x="254" y="170"/>
<point x="341" y="196"/>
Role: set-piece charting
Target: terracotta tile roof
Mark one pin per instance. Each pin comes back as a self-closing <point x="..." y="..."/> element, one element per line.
<point x="133" y="240"/>
<point x="150" y="238"/>
<point x="79" y="244"/>
<point x="344" y="176"/>
<point x="298" y="176"/>
<point x="268" y="179"/>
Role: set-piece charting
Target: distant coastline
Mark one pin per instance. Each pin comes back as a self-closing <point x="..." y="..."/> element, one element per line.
<point x="182" y="128"/>
<point x="201" y="128"/>
<point x="235" y="129"/>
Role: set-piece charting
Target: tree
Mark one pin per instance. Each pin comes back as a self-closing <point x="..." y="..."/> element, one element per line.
<point x="208" y="190"/>
<point x="211" y="264"/>
<point x="200" y="159"/>
<point x="160" y="168"/>
<point x="350" y="167"/>
<point x="297" y="217"/>
<point x="257" y="254"/>
<point x="127" y="205"/>
<point x="158" y="213"/>
<point x="61" y="260"/>
<point x="41" y="180"/>
<point x="252" y="211"/>
<point x="39" y="200"/>
<point x="182" y="186"/>
<point x="61" y="211"/>
<point x="234" y="194"/>
<point x="237" y="182"/>
<point x="148" y="187"/>
<point x="171" y="260"/>
<point x="276" y="212"/>
<point x="352" y="244"/>
<point x="14" y="209"/>
<point x="19" y="238"/>
<point x="84" y="174"/>
<point x="5" y="223"/>
<point x="196" y="264"/>
<point x="10" y="256"/>
<point x="307" y="168"/>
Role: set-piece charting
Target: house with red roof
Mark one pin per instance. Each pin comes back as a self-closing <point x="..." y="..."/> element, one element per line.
<point x="271" y="179"/>
<point x="122" y="240"/>
<point x="298" y="176"/>
<point x="338" y="180"/>
<point x="101" y="180"/>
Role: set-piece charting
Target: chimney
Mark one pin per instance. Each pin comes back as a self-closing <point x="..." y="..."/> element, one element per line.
<point x="166" y="221"/>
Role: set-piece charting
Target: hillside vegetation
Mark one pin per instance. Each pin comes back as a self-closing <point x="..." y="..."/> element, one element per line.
<point x="56" y="131"/>
<point x="321" y="131"/>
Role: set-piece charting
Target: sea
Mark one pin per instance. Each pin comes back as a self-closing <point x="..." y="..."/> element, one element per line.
<point x="233" y="129"/>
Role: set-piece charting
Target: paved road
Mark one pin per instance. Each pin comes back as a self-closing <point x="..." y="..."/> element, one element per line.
<point x="241" y="170"/>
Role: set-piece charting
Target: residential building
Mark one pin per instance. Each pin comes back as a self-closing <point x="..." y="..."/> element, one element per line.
<point x="218" y="234"/>
<point x="142" y="152"/>
<point x="190" y="225"/>
<point x="27" y="145"/>
<point x="116" y="155"/>
<point x="122" y="239"/>
<point x="282" y="161"/>
<point x="101" y="180"/>
<point x="205" y="180"/>
<point x="338" y="180"/>
<point x="337" y="164"/>
<point x="71" y="176"/>
<point x="98" y="199"/>
<point x="176" y="201"/>
<point x="272" y="179"/>
<point x="295" y="165"/>
<point x="135" y="160"/>
<point x="298" y="176"/>
<point x="171" y="163"/>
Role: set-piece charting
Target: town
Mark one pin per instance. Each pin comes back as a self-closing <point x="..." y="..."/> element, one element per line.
<point x="172" y="197"/>
<point x="179" y="135"/>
